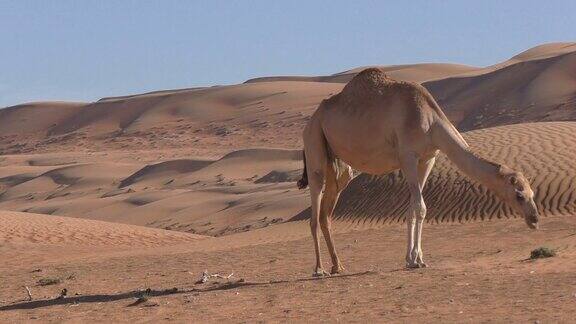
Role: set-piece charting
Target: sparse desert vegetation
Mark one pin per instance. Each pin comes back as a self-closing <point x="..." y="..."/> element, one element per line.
<point x="542" y="253"/>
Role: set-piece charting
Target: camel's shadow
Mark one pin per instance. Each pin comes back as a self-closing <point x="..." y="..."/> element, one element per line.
<point x="216" y="286"/>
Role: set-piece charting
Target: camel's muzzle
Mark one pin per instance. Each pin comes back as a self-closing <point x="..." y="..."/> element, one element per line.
<point x="532" y="225"/>
<point x="531" y="216"/>
<point x="530" y="212"/>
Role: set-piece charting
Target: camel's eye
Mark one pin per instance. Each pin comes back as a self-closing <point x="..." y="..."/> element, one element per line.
<point x="520" y="196"/>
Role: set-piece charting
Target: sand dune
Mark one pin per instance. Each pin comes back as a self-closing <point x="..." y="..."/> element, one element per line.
<point x="539" y="52"/>
<point x="226" y="115"/>
<point x="409" y="72"/>
<point x="27" y="228"/>
<point x="238" y="103"/>
<point x="249" y="164"/>
<point x="68" y="180"/>
<point x="35" y="117"/>
<point x="535" y="85"/>
<point x="29" y="240"/>
<point x="163" y="170"/>
<point x="249" y="189"/>
<point x="243" y="190"/>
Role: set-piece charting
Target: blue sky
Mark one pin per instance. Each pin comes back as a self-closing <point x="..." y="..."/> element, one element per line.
<point x="85" y="50"/>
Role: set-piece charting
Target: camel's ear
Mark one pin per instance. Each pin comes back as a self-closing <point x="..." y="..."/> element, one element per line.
<point x="504" y="170"/>
<point x="508" y="174"/>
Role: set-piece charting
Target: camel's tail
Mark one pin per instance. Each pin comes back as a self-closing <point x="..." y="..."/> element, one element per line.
<point x="303" y="182"/>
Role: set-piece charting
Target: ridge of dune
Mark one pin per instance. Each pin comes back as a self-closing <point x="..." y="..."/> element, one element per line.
<point x="420" y="72"/>
<point x="426" y="72"/>
<point x="542" y="89"/>
<point x="545" y="51"/>
<point x="18" y="228"/>
<point x="264" y="154"/>
<point x="535" y="53"/>
<point x="35" y="117"/>
<point x="150" y="94"/>
<point x="535" y="85"/>
<point x="539" y="52"/>
<point x="162" y="169"/>
<point x="225" y="102"/>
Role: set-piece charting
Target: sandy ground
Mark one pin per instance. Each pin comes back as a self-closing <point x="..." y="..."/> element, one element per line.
<point x="479" y="273"/>
<point x="135" y="196"/>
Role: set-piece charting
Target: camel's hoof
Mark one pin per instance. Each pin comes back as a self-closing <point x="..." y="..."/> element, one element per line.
<point x="412" y="266"/>
<point x="337" y="269"/>
<point x="320" y="273"/>
<point x="416" y="265"/>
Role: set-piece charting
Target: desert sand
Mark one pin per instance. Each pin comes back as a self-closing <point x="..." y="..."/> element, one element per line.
<point x="110" y="198"/>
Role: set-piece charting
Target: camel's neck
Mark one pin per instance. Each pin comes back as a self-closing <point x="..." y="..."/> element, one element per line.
<point x="475" y="167"/>
<point x="458" y="151"/>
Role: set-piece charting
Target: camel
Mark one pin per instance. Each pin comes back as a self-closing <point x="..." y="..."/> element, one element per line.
<point x="377" y="125"/>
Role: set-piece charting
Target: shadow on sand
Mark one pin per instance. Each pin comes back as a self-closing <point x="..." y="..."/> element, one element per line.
<point x="99" y="298"/>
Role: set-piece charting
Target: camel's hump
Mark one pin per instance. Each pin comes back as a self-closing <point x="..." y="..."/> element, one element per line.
<point x="373" y="81"/>
<point x="371" y="76"/>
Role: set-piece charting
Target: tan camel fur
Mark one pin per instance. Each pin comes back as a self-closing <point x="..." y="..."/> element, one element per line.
<point x="377" y="125"/>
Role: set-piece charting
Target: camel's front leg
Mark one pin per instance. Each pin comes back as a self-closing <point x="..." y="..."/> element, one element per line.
<point x="424" y="168"/>
<point x="410" y="224"/>
<point x="417" y="213"/>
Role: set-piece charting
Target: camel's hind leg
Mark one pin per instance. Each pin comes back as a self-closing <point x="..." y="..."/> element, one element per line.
<point x="316" y="163"/>
<point x="316" y="183"/>
<point x="336" y="181"/>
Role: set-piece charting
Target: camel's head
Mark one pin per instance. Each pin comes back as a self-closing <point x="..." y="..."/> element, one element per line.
<point x="517" y="193"/>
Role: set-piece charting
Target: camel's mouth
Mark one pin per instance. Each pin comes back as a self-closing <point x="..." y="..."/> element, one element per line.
<point x="531" y="216"/>
<point x="532" y="221"/>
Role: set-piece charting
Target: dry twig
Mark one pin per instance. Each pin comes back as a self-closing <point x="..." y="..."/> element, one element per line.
<point x="206" y="276"/>
<point x="29" y="293"/>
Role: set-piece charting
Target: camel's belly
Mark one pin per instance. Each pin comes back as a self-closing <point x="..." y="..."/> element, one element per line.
<point x="368" y="142"/>
<point x="370" y="161"/>
<point x="364" y="151"/>
<point x="370" y="151"/>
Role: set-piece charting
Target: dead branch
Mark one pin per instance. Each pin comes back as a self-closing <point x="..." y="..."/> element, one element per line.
<point x="206" y="276"/>
<point x="29" y="293"/>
